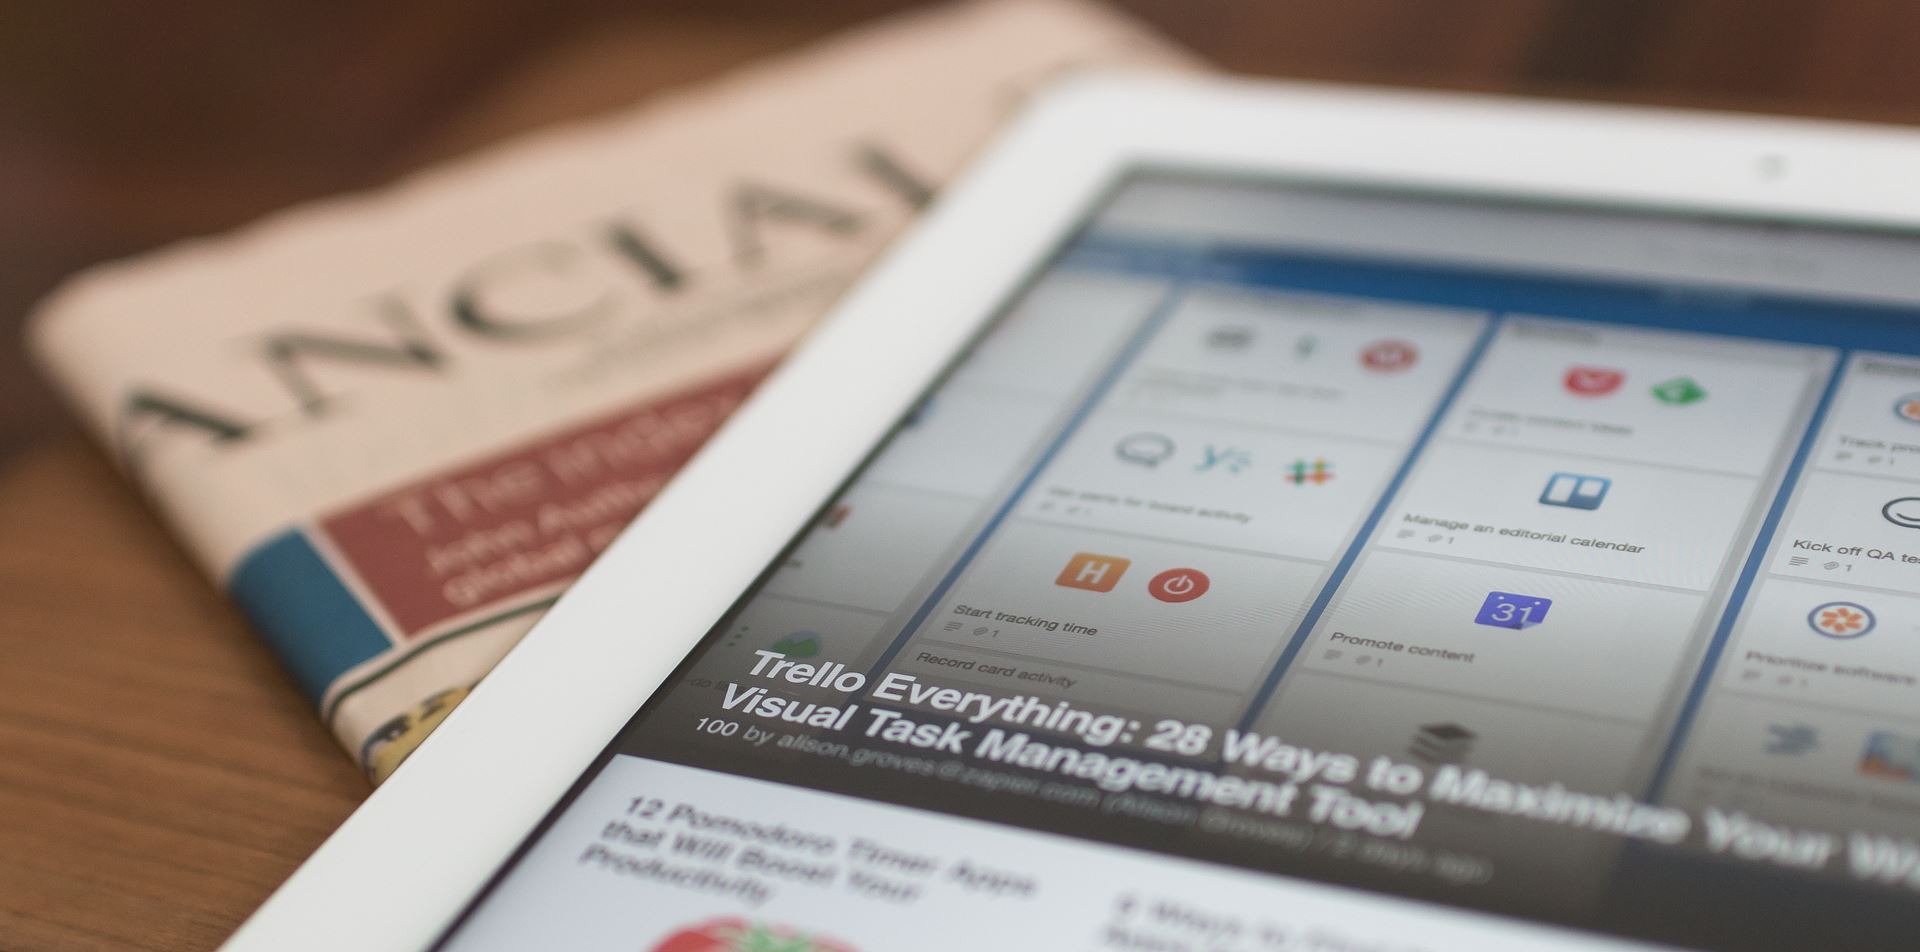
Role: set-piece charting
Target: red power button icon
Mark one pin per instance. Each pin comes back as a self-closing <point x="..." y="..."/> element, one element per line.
<point x="1178" y="585"/>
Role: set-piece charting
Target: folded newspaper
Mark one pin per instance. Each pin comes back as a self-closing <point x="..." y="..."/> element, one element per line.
<point x="394" y="426"/>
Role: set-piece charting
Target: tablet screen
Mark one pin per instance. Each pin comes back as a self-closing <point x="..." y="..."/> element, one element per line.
<point x="1295" y="567"/>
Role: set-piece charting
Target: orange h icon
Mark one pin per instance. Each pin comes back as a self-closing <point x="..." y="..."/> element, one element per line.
<point x="1095" y="573"/>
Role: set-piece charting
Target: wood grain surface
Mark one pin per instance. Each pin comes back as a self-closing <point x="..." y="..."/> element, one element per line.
<point x="158" y="775"/>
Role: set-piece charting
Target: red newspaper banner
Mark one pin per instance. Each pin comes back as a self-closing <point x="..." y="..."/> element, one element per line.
<point x="526" y="519"/>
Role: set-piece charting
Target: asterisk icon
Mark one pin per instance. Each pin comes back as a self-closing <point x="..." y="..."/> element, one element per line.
<point x="1842" y="620"/>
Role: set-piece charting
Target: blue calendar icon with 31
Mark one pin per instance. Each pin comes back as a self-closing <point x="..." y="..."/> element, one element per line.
<point x="1507" y="610"/>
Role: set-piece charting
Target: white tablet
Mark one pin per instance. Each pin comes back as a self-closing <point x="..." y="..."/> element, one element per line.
<point x="1258" y="518"/>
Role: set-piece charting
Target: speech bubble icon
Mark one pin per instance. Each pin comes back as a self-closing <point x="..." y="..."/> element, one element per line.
<point x="1144" y="449"/>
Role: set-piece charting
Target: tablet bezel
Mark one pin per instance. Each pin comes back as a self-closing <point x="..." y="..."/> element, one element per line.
<point x="404" y="864"/>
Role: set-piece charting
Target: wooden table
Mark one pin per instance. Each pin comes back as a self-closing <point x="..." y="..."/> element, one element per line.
<point x="159" y="776"/>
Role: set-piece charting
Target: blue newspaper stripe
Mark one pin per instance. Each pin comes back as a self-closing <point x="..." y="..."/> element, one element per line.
<point x="304" y="612"/>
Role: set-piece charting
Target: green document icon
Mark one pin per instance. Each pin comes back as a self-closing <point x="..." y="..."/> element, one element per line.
<point x="1679" y="392"/>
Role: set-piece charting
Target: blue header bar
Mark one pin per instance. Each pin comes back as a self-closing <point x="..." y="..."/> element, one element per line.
<point x="1760" y="315"/>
